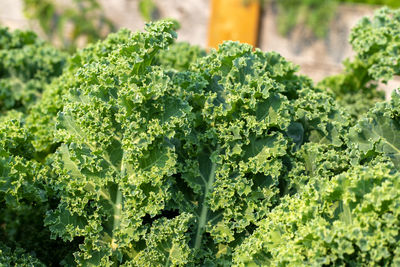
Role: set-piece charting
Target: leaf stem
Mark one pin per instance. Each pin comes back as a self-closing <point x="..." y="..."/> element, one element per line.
<point x="117" y="217"/>
<point x="118" y="206"/>
<point x="204" y="209"/>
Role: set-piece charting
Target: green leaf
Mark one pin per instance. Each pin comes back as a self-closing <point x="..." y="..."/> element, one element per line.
<point x="377" y="133"/>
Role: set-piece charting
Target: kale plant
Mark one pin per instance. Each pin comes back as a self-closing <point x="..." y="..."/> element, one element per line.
<point x="147" y="152"/>
<point x="376" y="42"/>
<point x="176" y="167"/>
<point x="26" y="65"/>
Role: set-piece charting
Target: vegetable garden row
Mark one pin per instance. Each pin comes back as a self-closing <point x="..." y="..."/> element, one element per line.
<point x="142" y="151"/>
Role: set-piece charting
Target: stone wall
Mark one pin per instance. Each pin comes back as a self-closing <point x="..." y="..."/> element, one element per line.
<point x="317" y="58"/>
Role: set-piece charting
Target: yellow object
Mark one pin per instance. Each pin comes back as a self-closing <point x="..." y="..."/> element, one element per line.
<point x="236" y="20"/>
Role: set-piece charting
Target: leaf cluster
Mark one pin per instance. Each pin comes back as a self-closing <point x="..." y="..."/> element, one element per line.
<point x="147" y="152"/>
<point x="376" y="44"/>
<point x="208" y="146"/>
<point x="26" y="65"/>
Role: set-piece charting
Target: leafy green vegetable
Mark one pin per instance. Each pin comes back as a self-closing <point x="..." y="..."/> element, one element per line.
<point x="345" y="211"/>
<point x="209" y="149"/>
<point x="42" y="118"/>
<point x="19" y="173"/>
<point x="355" y="89"/>
<point x="17" y="257"/>
<point x="128" y="120"/>
<point x="24" y="198"/>
<point x="377" y="133"/>
<point x="351" y="219"/>
<point x="179" y="56"/>
<point x="376" y="42"/>
<point x="26" y="64"/>
<point x="147" y="152"/>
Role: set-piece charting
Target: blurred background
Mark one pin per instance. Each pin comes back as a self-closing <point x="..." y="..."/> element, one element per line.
<point x="312" y="33"/>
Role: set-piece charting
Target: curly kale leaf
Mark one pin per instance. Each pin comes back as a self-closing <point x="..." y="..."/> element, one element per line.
<point x="351" y="219"/>
<point x="377" y="133"/>
<point x="251" y="113"/>
<point x="17" y="257"/>
<point x="176" y="168"/>
<point x="16" y="39"/>
<point x="376" y="42"/>
<point x="26" y="65"/>
<point x="25" y="195"/>
<point x="116" y="163"/>
<point x="42" y="117"/>
<point x="355" y="89"/>
<point x="20" y="175"/>
<point x="179" y="56"/>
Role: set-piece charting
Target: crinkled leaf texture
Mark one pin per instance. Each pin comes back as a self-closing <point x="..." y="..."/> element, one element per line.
<point x="17" y="257"/>
<point x="117" y="161"/>
<point x="26" y="65"/>
<point x="252" y="112"/>
<point x="377" y="43"/>
<point x="24" y="196"/>
<point x="21" y="177"/>
<point x="352" y="219"/>
<point x="42" y="117"/>
<point x="355" y="90"/>
<point x="177" y="167"/>
<point x="166" y="156"/>
<point x="179" y="56"/>
<point x="378" y="133"/>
